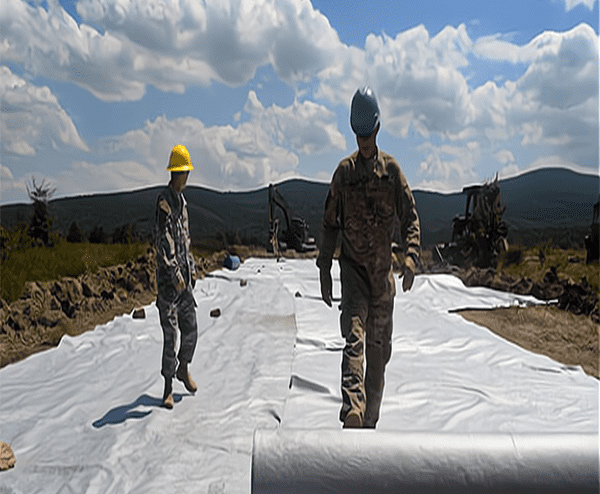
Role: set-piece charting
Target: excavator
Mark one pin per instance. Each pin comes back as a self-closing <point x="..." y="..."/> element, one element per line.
<point x="295" y="236"/>
<point x="480" y="235"/>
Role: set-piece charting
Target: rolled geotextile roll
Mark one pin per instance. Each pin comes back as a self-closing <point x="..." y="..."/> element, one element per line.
<point x="370" y="462"/>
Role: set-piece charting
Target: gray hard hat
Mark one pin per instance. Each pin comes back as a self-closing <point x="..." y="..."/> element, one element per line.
<point x="364" y="112"/>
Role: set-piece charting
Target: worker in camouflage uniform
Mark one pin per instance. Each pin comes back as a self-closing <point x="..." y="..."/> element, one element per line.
<point x="176" y="276"/>
<point x="367" y="191"/>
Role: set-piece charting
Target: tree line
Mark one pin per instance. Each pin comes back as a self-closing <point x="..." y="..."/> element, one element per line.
<point x="39" y="232"/>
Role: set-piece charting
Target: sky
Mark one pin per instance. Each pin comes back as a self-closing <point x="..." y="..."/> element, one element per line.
<point x="95" y="93"/>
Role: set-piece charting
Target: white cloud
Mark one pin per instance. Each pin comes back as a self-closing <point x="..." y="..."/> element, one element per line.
<point x="105" y="177"/>
<point x="306" y="127"/>
<point x="323" y="176"/>
<point x="553" y="107"/>
<point x="419" y="82"/>
<point x="14" y="189"/>
<point x="564" y="68"/>
<point x="171" y="44"/>
<point x="5" y="173"/>
<point x="509" y="171"/>
<point x="32" y="119"/>
<point x="449" y="166"/>
<point x="22" y="148"/>
<point x="51" y="44"/>
<point x="416" y="79"/>
<point x="255" y="152"/>
<point x="505" y="156"/>
<point x="507" y="159"/>
<point x="224" y="157"/>
<point x="571" y="4"/>
<point x="262" y="148"/>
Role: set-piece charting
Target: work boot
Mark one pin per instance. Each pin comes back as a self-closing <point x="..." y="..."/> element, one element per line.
<point x="184" y="376"/>
<point x="168" y="400"/>
<point x="352" y="420"/>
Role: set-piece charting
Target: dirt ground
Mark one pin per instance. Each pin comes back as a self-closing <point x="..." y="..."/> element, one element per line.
<point x="567" y="338"/>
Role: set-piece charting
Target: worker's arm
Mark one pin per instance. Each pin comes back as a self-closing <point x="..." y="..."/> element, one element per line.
<point x="165" y="246"/>
<point x="410" y="230"/>
<point x="329" y="234"/>
<point x="188" y="244"/>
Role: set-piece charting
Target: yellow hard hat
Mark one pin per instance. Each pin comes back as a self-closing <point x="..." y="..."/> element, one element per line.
<point x="180" y="160"/>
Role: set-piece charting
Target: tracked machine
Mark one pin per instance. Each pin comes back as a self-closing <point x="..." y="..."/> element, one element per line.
<point x="480" y="235"/>
<point x="295" y="236"/>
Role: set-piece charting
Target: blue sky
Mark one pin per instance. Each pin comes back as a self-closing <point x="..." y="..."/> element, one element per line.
<point x="95" y="93"/>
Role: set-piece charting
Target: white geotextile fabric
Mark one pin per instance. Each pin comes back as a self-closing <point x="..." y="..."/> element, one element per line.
<point x="86" y="416"/>
<point x="445" y="374"/>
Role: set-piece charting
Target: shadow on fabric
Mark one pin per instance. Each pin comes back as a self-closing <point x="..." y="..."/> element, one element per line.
<point x="122" y="413"/>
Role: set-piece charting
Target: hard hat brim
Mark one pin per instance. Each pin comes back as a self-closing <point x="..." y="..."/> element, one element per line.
<point x="180" y="168"/>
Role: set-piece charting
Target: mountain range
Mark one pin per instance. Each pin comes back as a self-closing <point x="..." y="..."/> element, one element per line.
<point x="546" y="203"/>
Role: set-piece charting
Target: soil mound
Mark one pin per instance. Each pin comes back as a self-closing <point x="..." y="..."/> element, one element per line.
<point x="48" y="310"/>
<point x="577" y="298"/>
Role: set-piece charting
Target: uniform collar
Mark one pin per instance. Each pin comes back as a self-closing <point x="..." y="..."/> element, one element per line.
<point x="372" y="165"/>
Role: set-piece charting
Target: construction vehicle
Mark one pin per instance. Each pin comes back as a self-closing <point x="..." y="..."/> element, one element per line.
<point x="480" y="235"/>
<point x="295" y="236"/>
<point x="592" y="244"/>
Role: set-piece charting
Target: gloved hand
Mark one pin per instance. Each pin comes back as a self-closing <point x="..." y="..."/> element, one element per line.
<point x="410" y="268"/>
<point x="326" y="284"/>
<point x="180" y="284"/>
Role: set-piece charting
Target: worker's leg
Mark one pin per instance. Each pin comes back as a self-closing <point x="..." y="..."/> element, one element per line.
<point x="352" y="324"/>
<point x="168" y="321"/>
<point x="186" y="315"/>
<point x="378" y="351"/>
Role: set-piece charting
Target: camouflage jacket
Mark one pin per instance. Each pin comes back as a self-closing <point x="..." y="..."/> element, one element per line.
<point x="174" y="260"/>
<point x="362" y="202"/>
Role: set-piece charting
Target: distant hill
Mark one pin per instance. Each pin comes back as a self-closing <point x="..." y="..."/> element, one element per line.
<point x="546" y="203"/>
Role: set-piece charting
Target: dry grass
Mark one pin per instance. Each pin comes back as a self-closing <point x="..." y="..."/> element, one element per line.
<point x="535" y="263"/>
<point x="567" y="338"/>
<point x="58" y="261"/>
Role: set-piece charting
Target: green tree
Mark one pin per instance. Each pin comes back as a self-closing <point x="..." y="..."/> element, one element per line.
<point x="124" y="234"/>
<point x="41" y="222"/>
<point x="75" y="234"/>
<point x="97" y="236"/>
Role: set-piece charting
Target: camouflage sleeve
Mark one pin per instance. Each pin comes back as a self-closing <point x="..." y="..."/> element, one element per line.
<point x="188" y="241"/>
<point x="406" y="209"/>
<point x="192" y="266"/>
<point x="165" y="245"/>
<point x="331" y="223"/>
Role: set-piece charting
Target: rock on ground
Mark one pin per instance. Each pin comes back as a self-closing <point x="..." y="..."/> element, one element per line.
<point x="7" y="457"/>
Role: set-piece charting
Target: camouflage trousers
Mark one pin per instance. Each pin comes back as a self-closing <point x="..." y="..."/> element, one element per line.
<point x="366" y="324"/>
<point x="180" y="312"/>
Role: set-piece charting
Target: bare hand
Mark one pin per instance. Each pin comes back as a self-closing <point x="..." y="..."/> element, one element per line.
<point x="326" y="284"/>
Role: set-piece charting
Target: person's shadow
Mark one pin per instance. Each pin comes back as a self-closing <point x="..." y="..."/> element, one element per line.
<point x="122" y="413"/>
